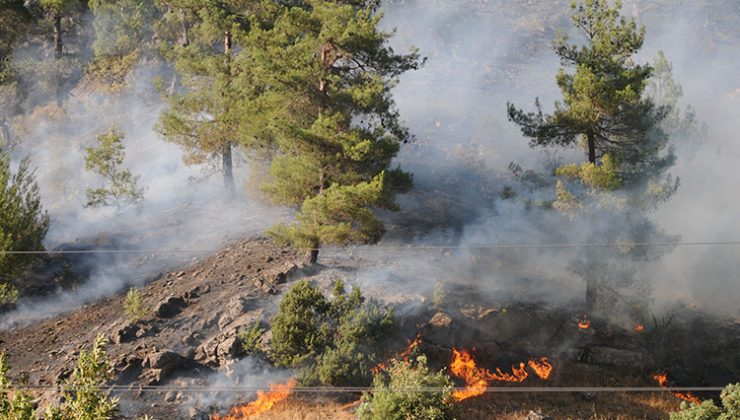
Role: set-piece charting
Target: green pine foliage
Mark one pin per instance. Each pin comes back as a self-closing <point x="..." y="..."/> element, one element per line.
<point x="607" y="110"/>
<point x="331" y="123"/>
<point x="23" y="224"/>
<point x="83" y="397"/>
<point x="402" y="391"/>
<point x="250" y="338"/>
<point x="708" y="410"/>
<point x="604" y="108"/>
<point x="207" y="113"/>
<point x="133" y="305"/>
<point x="105" y="159"/>
<point x="332" y="341"/>
<point x="15" y="403"/>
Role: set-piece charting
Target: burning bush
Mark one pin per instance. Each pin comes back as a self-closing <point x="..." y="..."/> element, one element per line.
<point x="403" y="392"/>
<point x="333" y="341"/>
<point x="709" y="411"/>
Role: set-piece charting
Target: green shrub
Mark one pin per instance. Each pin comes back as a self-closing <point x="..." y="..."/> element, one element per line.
<point x="250" y="338"/>
<point x="133" y="305"/>
<point x="333" y="341"/>
<point x="83" y="397"/>
<point x="19" y="406"/>
<point x="403" y="391"/>
<point x="105" y="159"/>
<point x="708" y="410"/>
<point x="23" y="224"/>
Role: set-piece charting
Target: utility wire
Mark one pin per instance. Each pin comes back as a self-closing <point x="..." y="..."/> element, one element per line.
<point x="391" y="247"/>
<point x="355" y="389"/>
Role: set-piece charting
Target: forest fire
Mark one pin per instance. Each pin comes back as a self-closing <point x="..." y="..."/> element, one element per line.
<point x="584" y="324"/>
<point x="463" y="366"/>
<point x="662" y="379"/>
<point x="477" y="379"/>
<point x="638" y="328"/>
<point x="404" y="355"/>
<point x="264" y="402"/>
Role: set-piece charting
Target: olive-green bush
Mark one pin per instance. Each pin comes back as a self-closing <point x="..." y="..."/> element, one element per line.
<point x="409" y="391"/>
<point x="332" y="340"/>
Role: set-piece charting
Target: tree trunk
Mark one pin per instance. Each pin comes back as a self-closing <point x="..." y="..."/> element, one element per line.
<point x="591" y="138"/>
<point x="312" y="257"/>
<point x="227" y="42"/>
<point x="590" y="297"/>
<point x="226" y="153"/>
<point x="227" y="167"/>
<point x="184" y="36"/>
<point x="58" y="52"/>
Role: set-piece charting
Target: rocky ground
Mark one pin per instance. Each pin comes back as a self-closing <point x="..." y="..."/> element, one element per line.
<point x="190" y="340"/>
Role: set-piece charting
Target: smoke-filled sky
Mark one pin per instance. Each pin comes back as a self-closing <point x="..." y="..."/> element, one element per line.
<point x="485" y="53"/>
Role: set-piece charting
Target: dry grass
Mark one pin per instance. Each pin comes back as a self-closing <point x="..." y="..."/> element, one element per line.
<point x="516" y="406"/>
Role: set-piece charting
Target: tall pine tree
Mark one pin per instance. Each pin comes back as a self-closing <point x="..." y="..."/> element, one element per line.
<point x="606" y="111"/>
<point x="204" y="114"/>
<point x="333" y="129"/>
<point x="603" y="108"/>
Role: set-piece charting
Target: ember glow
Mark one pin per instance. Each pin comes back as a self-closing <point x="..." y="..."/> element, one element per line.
<point x="662" y="379"/>
<point x="477" y="379"/>
<point x="264" y="402"/>
<point x="584" y="324"/>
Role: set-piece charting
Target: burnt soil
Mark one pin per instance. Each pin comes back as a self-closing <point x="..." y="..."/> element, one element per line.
<point x="196" y="312"/>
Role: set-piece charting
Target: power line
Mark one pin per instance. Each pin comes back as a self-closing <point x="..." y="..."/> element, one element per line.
<point x="392" y="247"/>
<point x="356" y="389"/>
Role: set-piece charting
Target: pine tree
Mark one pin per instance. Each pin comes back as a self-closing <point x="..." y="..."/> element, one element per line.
<point x="124" y="35"/>
<point x="204" y="116"/>
<point x="56" y="9"/>
<point x="23" y="224"/>
<point x="603" y="106"/>
<point x="333" y="128"/>
<point x="14" y="21"/>
<point x="106" y="159"/>
<point x="607" y="111"/>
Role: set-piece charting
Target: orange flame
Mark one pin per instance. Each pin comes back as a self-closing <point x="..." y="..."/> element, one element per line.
<point x="463" y="366"/>
<point x="584" y="324"/>
<point x="264" y="402"/>
<point x="410" y="347"/>
<point x="662" y="379"/>
<point x="541" y="367"/>
<point x="477" y="379"/>
<point x="404" y="355"/>
<point x="639" y="328"/>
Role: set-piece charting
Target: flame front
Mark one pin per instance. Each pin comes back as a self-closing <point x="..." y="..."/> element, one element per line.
<point x="463" y="366"/>
<point x="541" y="367"/>
<point x="404" y="355"/>
<point x="409" y="348"/>
<point x="662" y="379"/>
<point x="584" y="324"/>
<point x="477" y="379"/>
<point x="264" y="402"/>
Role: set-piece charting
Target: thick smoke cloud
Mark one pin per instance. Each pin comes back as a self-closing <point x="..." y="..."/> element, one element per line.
<point x="186" y="213"/>
<point x="483" y="54"/>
